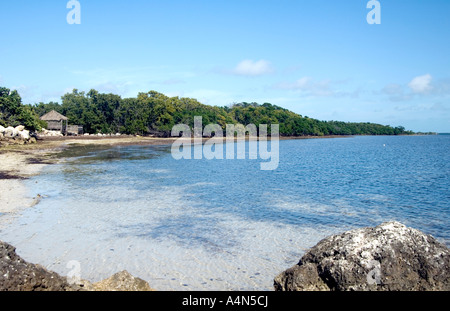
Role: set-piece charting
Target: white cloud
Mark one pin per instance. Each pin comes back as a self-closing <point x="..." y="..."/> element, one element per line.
<point x="118" y="88"/>
<point x="396" y="92"/>
<point x="421" y="84"/>
<point x="308" y="86"/>
<point x="303" y="84"/>
<point x="253" y="68"/>
<point x="424" y="85"/>
<point x="209" y="97"/>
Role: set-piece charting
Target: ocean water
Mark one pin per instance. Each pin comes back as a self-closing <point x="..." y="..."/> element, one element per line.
<point x="224" y="224"/>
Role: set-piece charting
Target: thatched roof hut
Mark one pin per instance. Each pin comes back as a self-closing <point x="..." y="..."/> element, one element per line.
<point x="55" y="121"/>
<point x="53" y="116"/>
<point x="58" y="122"/>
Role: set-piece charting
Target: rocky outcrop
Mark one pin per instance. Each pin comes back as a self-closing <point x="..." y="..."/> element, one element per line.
<point x="122" y="281"/>
<point x="388" y="257"/>
<point x="15" y="136"/>
<point x="18" y="275"/>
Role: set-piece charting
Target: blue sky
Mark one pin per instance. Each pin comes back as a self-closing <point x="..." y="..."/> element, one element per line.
<point x="317" y="58"/>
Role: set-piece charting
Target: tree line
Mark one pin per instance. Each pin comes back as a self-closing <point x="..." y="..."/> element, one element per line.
<point x="153" y="113"/>
<point x="14" y="113"/>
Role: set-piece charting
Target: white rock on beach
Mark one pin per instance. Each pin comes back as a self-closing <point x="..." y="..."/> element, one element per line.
<point x="24" y="134"/>
<point x="11" y="132"/>
<point x="18" y="135"/>
<point x="45" y="132"/>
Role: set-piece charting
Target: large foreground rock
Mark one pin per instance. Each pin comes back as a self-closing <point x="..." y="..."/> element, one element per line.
<point x="18" y="275"/>
<point x="388" y="257"/>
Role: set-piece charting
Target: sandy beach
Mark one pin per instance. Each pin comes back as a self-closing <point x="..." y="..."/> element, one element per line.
<point x="18" y="163"/>
<point x="15" y="166"/>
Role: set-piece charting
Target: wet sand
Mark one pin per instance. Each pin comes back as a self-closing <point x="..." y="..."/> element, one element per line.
<point x="19" y="162"/>
<point x="15" y="166"/>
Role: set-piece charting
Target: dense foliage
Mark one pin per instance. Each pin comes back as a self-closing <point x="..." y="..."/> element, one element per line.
<point x="292" y="124"/>
<point x="13" y="112"/>
<point x="154" y="113"/>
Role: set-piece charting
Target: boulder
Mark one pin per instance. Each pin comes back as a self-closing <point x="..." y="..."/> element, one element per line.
<point x="122" y="281"/>
<point x="24" y="134"/>
<point x="2" y="129"/>
<point x="388" y="257"/>
<point x="10" y="132"/>
<point x="20" y="128"/>
<point x="18" y="275"/>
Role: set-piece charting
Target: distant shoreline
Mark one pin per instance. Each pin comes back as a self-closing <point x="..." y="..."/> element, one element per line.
<point x="19" y="162"/>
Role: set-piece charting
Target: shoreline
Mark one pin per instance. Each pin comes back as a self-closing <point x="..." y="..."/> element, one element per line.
<point x="29" y="160"/>
<point x="17" y="165"/>
<point x="20" y="162"/>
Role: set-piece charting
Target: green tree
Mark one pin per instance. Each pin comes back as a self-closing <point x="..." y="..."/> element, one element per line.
<point x="153" y="113"/>
<point x="14" y="113"/>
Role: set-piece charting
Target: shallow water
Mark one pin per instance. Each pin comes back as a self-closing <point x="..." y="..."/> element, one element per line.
<point x="225" y="224"/>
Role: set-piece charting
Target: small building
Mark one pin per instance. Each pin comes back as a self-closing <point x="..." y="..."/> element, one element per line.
<point x="58" y="122"/>
<point x="74" y="130"/>
<point x="55" y="121"/>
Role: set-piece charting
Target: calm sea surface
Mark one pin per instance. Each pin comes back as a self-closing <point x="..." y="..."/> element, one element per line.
<point x="225" y="224"/>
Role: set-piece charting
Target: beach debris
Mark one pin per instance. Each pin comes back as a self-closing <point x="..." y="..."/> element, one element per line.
<point x="36" y="200"/>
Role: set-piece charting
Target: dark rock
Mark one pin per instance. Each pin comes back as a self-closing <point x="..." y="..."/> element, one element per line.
<point x="388" y="257"/>
<point x="18" y="275"/>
